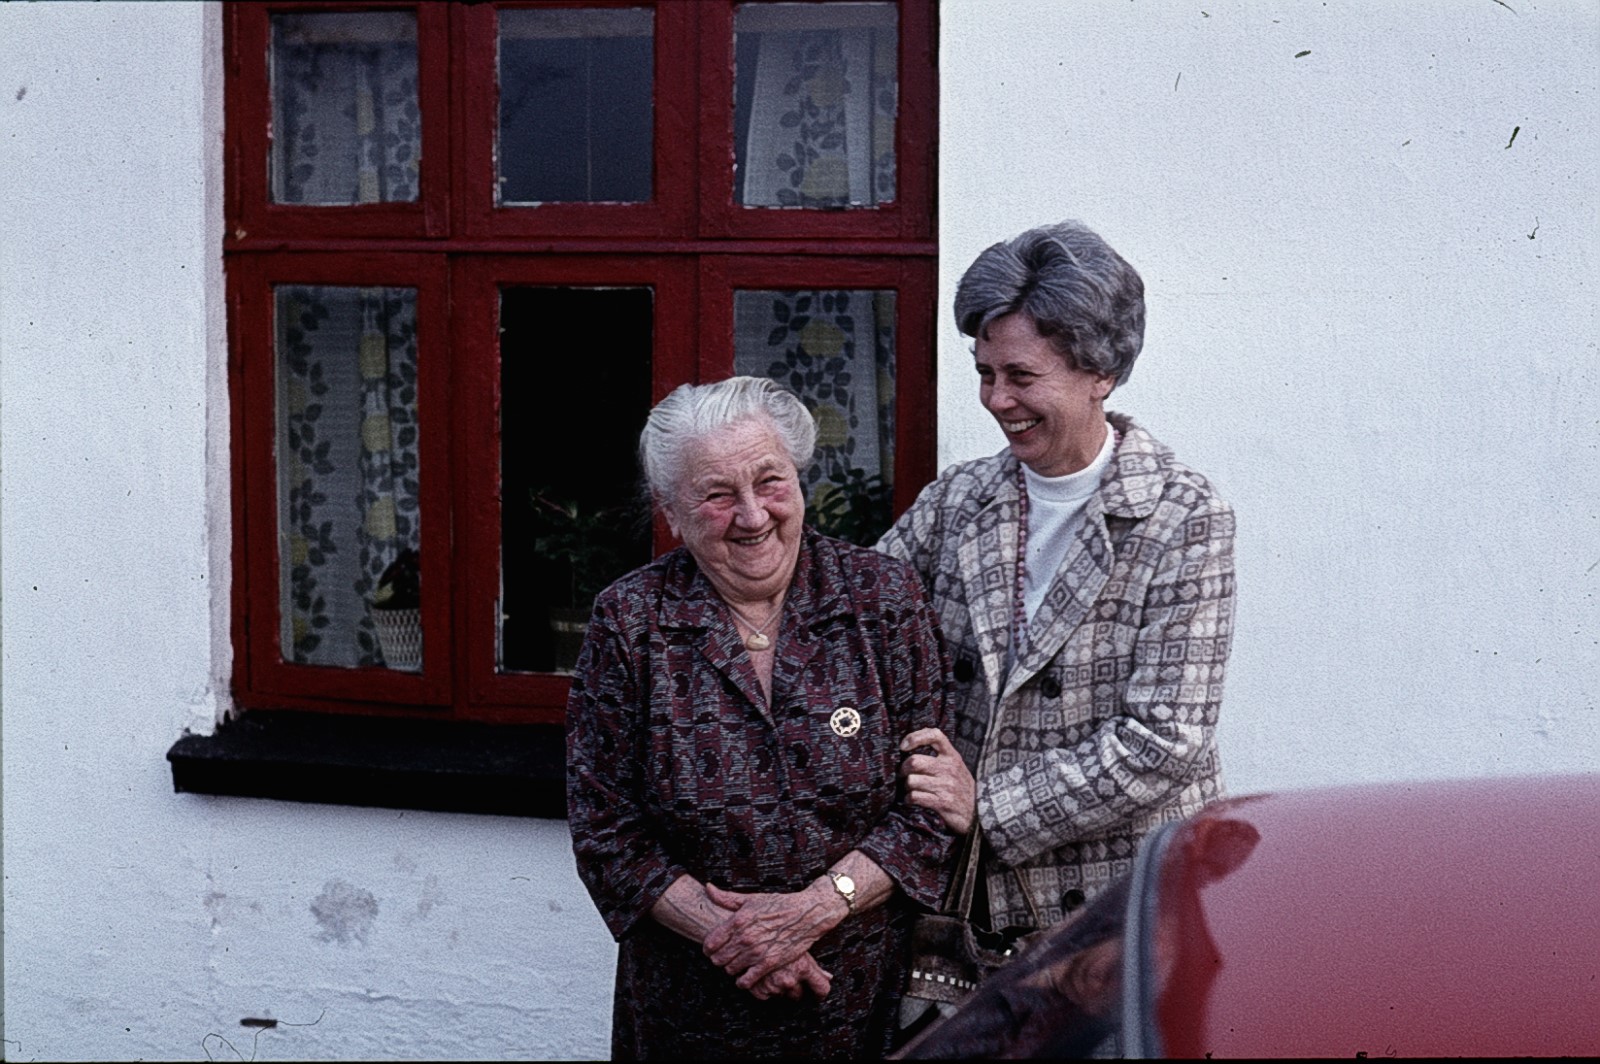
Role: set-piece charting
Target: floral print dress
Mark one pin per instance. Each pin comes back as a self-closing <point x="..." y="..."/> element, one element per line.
<point x="677" y="766"/>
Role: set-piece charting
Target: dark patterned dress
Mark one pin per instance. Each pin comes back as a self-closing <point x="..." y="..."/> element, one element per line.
<point x="675" y="766"/>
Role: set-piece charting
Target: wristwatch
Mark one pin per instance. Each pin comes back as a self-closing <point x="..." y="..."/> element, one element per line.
<point x="846" y="888"/>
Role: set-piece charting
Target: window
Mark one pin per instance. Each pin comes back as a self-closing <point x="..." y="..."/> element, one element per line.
<point x="468" y="246"/>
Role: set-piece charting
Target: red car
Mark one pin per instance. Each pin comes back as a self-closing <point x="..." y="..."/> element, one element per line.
<point x="1409" y="919"/>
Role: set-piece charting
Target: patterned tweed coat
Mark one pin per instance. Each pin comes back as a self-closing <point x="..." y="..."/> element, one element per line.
<point x="675" y="764"/>
<point x="1105" y="726"/>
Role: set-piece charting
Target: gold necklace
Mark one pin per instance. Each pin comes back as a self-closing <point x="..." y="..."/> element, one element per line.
<point x="758" y="640"/>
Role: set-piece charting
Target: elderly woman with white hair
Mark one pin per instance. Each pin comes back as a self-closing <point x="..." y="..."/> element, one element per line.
<point x="1084" y="581"/>
<point x="733" y="746"/>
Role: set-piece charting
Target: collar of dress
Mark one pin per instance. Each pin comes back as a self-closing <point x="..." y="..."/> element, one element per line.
<point x="1132" y="484"/>
<point x="819" y="591"/>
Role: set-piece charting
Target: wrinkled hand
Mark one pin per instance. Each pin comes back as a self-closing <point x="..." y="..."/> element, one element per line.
<point x="766" y="932"/>
<point x="794" y="979"/>
<point x="940" y="780"/>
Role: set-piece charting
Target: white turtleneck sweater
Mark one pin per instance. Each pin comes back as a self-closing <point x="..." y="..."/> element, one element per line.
<point x="1055" y="514"/>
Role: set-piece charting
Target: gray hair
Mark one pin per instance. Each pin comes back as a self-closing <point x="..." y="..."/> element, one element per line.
<point x="1082" y="296"/>
<point x="692" y="411"/>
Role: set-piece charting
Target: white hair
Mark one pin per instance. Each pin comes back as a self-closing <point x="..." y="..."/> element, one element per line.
<point x="693" y="411"/>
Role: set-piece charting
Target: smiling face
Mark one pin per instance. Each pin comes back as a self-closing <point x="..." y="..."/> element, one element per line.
<point x="738" y="508"/>
<point x="1052" y="413"/>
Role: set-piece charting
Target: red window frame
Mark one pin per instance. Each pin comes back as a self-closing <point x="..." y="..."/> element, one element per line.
<point x="690" y="244"/>
<point x="908" y="217"/>
<point x="251" y="281"/>
<point x="479" y="281"/>
<point x="669" y="213"/>
<point x="247" y="30"/>
<point x="722" y="275"/>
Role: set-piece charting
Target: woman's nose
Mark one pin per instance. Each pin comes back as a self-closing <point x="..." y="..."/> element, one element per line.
<point x="748" y="513"/>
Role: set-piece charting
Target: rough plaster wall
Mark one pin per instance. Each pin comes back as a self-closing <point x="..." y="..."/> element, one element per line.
<point x="140" y="923"/>
<point x="1352" y="333"/>
<point x="1371" y="322"/>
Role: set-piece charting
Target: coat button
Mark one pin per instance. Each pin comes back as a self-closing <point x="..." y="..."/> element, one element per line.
<point x="1072" y="899"/>
<point x="964" y="670"/>
<point x="1051" y="687"/>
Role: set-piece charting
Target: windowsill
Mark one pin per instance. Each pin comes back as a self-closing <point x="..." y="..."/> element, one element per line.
<point x="445" y="766"/>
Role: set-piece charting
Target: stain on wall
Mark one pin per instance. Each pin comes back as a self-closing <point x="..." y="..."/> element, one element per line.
<point x="432" y="895"/>
<point x="344" y="913"/>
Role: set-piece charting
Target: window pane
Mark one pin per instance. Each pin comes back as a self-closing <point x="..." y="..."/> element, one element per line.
<point x="346" y="447"/>
<point x="816" y="90"/>
<point x="574" y="394"/>
<point x="576" y="86"/>
<point x="835" y="349"/>
<point x="346" y="127"/>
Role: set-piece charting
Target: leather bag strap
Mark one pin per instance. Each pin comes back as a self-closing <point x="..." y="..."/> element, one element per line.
<point x="963" y="884"/>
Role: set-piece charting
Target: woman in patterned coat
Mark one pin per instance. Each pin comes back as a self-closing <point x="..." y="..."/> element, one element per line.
<point x="733" y="749"/>
<point x="1088" y="678"/>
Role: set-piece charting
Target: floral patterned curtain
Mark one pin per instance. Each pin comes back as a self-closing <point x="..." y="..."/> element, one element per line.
<point x="835" y="349"/>
<point x="822" y="108"/>
<point x="347" y="128"/>
<point x="347" y="461"/>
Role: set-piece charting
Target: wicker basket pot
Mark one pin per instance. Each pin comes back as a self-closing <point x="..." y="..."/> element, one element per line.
<point x="399" y="638"/>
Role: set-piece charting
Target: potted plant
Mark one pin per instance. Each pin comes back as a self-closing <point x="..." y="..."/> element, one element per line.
<point x="396" y="610"/>
<point x="852" y="505"/>
<point x="590" y="548"/>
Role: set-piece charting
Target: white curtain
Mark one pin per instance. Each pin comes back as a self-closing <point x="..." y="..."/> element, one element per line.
<point x="835" y="349"/>
<point x="822" y="107"/>
<point x="346" y="123"/>
<point x="348" y="462"/>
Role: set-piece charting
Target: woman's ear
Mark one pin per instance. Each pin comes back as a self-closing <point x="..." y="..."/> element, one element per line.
<point x="668" y="516"/>
<point x="1103" y="386"/>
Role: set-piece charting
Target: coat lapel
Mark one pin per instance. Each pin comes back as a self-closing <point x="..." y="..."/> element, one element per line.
<point x="1131" y="488"/>
<point x="818" y="593"/>
<point x="1076" y="587"/>
<point x="987" y="557"/>
<point x="692" y="605"/>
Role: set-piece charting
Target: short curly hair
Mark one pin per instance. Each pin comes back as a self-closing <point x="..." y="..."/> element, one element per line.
<point x="1082" y="296"/>
<point x="692" y="411"/>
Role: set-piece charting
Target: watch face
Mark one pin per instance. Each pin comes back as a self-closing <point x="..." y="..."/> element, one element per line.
<point x="845" y="884"/>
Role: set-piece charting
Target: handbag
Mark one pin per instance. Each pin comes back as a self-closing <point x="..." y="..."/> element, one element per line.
<point x="949" y="956"/>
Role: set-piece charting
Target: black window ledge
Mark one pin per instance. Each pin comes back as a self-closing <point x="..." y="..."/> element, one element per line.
<point x="444" y="766"/>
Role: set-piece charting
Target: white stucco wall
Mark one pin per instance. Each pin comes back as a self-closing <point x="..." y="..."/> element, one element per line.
<point x="1370" y="322"/>
<point x="1350" y="331"/>
<point x="141" y="924"/>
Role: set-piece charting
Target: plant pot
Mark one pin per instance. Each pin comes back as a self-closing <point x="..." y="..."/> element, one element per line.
<point x="399" y="637"/>
<point x="568" y="626"/>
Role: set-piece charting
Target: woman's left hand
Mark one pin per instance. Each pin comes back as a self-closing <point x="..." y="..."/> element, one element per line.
<point x="767" y="931"/>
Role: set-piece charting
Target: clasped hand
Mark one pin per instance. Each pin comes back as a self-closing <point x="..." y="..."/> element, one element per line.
<point x="765" y="939"/>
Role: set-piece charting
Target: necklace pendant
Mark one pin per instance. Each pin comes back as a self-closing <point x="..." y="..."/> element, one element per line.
<point x="757" y="641"/>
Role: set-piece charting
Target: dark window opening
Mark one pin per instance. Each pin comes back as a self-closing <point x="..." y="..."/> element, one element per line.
<point x="575" y="391"/>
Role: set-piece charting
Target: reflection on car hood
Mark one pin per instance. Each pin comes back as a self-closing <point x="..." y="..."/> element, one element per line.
<point x="1432" y="918"/>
